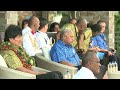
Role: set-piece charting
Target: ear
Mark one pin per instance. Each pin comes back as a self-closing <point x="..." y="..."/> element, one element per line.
<point x="64" y="36"/>
<point x="11" y="39"/>
<point x="89" y="63"/>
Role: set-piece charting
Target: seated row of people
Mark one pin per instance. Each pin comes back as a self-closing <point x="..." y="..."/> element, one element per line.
<point x="62" y="51"/>
<point x="16" y="57"/>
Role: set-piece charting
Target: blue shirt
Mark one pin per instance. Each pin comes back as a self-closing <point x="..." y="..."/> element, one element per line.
<point x="63" y="52"/>
<point x="94" y="43"/>
<point x="100" y="40"/>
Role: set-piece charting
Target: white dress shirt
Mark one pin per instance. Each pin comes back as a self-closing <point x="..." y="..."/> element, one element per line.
<point x="43" y="40"/>
<point x="84" y="73"/>
<point x="30" y="43"/>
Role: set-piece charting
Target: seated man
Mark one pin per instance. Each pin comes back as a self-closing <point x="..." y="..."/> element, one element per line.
<point x="16" y="57"/>
<point x="84" y="36"/>
<point x="92" y="68"/>
<point x="74" y="28"/>
<point x="43" y="39"/>
<point x="30" y="43"/>
<point x="63" y="52"/>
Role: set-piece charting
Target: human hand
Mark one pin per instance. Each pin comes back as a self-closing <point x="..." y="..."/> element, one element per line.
<point x="110" y="53"/>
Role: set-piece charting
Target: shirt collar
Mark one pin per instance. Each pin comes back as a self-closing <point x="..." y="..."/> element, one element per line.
<point x="61" y="42"/>
<point x="32" y="31"/>
<point x="45" y="34"/>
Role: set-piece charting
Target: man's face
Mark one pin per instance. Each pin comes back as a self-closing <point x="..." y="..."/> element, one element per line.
<point x="37" y="24"/>
<point x="69" y="38"/>
<point x="103" y="26"/>
<point x="95" y="65"/>
<point x="16" y="41"/>
<point x="81" y="27"/>
<point x="46" y="27"/>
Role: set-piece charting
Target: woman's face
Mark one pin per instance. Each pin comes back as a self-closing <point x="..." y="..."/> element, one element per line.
<point x="103" y="26"/>
<point x="16" y="41"/>
<point x="56" y="28"/>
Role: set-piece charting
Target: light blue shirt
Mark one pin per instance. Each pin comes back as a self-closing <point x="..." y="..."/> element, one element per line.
<point x="94" y="43"/>
<point x="101" y="41"/>
<point x="63" y="52"/>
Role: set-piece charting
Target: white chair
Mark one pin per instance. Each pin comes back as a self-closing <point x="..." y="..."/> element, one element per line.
<point x="8" y="73"/>
<point x="42" y="62"/>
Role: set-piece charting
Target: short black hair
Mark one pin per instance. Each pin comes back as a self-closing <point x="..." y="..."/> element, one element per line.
<point x="100" y="21"/>
<point x="96" y="28"/>
<point x="25" y="21"/>
<point x="43" y="22"/>
<point x="12" y="31"/>
<point x="90" y="24"/>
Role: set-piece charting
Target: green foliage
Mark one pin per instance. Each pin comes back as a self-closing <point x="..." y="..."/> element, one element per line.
<point x="117" y="30"/>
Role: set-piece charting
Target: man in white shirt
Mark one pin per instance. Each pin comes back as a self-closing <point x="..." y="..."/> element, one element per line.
<point x="43" y="39"/>
<point x="29" y="39"/>
<point x="91" y="68"/>
<point x="41" y="35"/>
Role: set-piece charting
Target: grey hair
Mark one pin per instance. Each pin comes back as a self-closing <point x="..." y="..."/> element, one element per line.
<point x="64" y="31"/>
<point x="89" y="56"/>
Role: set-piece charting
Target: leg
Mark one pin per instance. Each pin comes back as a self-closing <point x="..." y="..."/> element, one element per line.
<point x="50" y="75"/>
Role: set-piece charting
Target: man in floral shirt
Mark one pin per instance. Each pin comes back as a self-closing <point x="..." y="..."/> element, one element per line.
<point x="16" y="57"/>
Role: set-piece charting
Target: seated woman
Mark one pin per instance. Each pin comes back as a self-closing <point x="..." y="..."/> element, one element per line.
<point x="55" y="27"/>
<point x="16" y="57"/>
<point x="100" y="44"/>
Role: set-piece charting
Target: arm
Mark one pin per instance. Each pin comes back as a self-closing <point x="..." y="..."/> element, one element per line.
<point x="80" y="41"/>
<point x="67" y="63"/>
<point x="14" y="62"/>
<point x="23" y="69"/>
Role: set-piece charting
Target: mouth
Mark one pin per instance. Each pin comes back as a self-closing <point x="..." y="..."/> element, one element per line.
<point x="99" y="69"/>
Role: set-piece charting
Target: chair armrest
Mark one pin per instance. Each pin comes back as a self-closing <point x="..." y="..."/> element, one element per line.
<point x="38" y="69"/>
<point x="42" y="62"/>
<point x="7" y="73"/>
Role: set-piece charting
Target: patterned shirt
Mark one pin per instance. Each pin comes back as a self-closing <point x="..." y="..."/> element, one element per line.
<point x="63" y="52"/>
<point x="100" y="40"/>
<point x="87" y="36"/>
<point x="11" y="59"/>
<point x="95" y="43"/>
<point x="17" y="53"/>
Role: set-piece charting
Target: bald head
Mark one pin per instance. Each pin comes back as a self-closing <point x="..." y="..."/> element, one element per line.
<point x="32" y="21"/>
<point x="82" y="21"/>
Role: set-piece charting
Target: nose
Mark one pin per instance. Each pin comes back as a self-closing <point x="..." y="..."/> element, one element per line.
<point x="99" y="64"/>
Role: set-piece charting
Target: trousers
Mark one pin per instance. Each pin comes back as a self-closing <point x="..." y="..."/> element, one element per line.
<point x="50" y="75"/>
